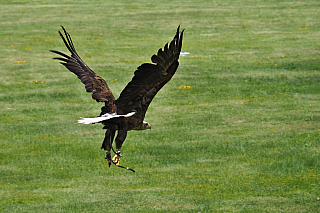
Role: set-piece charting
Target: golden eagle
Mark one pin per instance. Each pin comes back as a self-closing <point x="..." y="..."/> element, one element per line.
<point x="128" y="111"/>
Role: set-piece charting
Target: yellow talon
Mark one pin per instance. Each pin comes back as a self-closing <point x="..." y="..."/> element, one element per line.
<point x="116" y="159"/>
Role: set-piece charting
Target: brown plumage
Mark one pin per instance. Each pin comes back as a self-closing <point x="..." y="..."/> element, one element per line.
<point x="128" y="111"/>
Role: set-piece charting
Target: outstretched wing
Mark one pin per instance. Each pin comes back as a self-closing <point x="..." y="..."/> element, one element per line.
<point x="93" y="83"/>
<point x="149" y="78"/>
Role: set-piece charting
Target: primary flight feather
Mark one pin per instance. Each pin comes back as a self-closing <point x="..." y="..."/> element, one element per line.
<point x="128" y="111"/>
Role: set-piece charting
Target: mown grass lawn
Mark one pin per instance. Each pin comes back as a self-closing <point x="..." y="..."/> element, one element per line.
<point x="243" y="137"/>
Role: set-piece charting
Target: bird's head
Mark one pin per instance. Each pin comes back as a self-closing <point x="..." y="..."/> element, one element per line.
<point x="146" y="125"/>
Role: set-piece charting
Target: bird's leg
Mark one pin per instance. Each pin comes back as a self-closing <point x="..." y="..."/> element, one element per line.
<point x="107" y="143"/>
<point x="122" y="134"/>
<point x="108" y="157"/>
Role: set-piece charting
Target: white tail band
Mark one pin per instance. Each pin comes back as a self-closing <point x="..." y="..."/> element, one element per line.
<point x="104" y="117"/>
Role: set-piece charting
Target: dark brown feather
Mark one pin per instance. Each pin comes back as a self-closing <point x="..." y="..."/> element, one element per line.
<point x="93" y="83"/>
<point x="149" y="78"/>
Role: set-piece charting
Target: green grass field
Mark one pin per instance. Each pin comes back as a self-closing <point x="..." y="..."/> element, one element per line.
<point x="243" y="138"/>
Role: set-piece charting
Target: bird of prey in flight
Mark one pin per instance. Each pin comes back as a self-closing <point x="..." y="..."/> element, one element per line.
<point x="128" y="111"/>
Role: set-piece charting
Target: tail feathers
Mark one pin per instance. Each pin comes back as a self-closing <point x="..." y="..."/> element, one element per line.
<point x="104" y="117"/>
